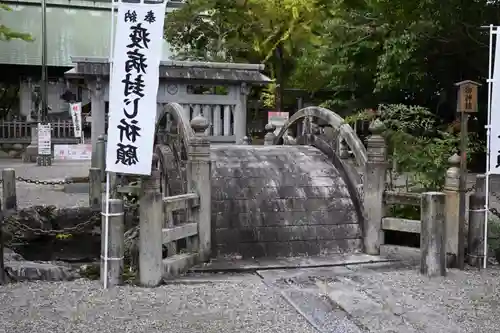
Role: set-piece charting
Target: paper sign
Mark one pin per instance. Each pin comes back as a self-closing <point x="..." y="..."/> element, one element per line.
<point x="44" y="139"/>
<point x="76" y="116"/>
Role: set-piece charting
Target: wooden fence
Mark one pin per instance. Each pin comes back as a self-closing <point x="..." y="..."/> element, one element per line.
<point x="17" y="131"/>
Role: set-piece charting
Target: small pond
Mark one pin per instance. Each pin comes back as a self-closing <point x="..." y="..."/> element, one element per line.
<point x="74" y="249"/>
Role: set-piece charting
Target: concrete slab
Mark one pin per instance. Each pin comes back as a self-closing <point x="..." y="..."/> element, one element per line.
<point x="224" y="265"/>
<point x="212" y="278"/>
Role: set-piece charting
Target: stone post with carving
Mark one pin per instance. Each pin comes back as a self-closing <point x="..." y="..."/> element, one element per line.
<point x="199" y="159"/>
<point x="452" y="194"/>
<point x="374" y="187"/>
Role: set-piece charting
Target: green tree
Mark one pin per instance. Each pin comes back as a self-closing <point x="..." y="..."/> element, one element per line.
<point x="7" y="34"/>
<point x="258" y="31"/>
<point x="398" y="51"/>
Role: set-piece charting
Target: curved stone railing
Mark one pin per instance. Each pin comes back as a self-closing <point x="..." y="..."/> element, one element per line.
<point x="344" y="130"/>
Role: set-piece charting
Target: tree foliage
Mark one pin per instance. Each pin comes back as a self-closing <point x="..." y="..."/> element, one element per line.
<point x="399" y="51"/>
<point x="7" y="34"/>
<point x="258" y="31"/>
<point x="419" y="143"/>
<point x="366" y="51"/>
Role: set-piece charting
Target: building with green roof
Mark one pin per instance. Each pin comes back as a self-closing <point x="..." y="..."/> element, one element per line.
<point x="78" y="28"/>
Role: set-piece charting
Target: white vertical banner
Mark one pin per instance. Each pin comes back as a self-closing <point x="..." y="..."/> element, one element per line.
<point x="134" y="86"/>
<point x="494" y="160"/>
<point x="76" y="116"/>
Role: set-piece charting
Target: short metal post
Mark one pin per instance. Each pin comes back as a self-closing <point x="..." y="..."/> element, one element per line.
<point x="95" y="188"/>
<point x="433" y="234"/>
<point x="115" y="232"/>
<point x="9" y="189"/>
<point x="475" y="237"/>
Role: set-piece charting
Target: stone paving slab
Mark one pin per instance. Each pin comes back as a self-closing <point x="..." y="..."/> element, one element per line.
<point x="243" y="265"/>
<point x="394" y="297"/>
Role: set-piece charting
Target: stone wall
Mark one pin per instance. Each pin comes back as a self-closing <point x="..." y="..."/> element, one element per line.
<point x="280" y="201"/>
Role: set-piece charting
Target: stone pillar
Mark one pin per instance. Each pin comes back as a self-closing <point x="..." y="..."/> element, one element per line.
<point x="199" y="158"/>
<point x="95" y="189"/>
<point x="343" y="150"/>
<point x="25" y="98"/>
<point x="101" y="156"/>
<point x="245" y="141"/>
<point x="270" y="136"/>
<point x="9" y="189"/>
<point x="240" y="116"/>
<point x="150" y="226"/>
<point x="98" y="113"/>
<point x="451" y="208"/>
<point x="477" y="201"/>
<point x="432" y="234"/>
<point x="374" y="186"/>
<point x="112" y="261"/>
<point x="31" y="152"/>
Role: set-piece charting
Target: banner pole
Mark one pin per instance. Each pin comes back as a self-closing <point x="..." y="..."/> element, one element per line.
<point x="106" y="233"/>
<point x="488" y="148"/>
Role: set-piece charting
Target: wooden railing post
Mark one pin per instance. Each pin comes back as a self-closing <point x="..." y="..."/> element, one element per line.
<point x="199" y="158"/>
<point x="9" y="189"/>
<point x="451" y="209"/>
<point x="150" y="229"/>
<point x="113" y="269"/>
<point x="432" y="234"/>
<point x="270" y="136"/>
<point x="374" y="186"/>
<point x="475" y="245"/>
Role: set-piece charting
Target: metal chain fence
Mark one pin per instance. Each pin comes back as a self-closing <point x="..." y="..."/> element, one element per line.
<point x="52" y="232"/>
<point x="42" y="182"/>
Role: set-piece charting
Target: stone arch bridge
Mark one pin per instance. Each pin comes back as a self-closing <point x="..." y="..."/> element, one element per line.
<point x="292" y="196"/>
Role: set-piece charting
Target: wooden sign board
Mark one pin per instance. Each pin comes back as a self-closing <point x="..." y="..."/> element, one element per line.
<point x="467" y="96"/>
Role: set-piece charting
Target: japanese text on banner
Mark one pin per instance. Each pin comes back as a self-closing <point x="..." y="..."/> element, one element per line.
<point x="132" y="116"/>
<point x="76" y="116"/>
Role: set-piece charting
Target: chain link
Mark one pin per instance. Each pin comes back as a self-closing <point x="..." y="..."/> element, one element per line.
<point x="53" y="232"/>
<point x="43" y="182"/>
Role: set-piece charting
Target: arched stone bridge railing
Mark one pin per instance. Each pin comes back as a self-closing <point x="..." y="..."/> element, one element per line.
<point x="338" y="146"/>
<point x="173" y="133"/>
<point x="343" y="130"/>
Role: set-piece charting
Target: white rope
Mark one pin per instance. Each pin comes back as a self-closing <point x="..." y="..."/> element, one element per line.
<point x="110" y="258"/>
<point x="111" y="214"/>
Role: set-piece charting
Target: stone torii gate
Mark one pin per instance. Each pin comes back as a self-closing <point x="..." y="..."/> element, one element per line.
<point x="218" y="91"/>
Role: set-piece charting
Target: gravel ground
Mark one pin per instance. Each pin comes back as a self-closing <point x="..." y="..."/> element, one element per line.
<point x="83" y="306"/>
<point x="470" y="299"/>
<point x="32" y="194"/>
